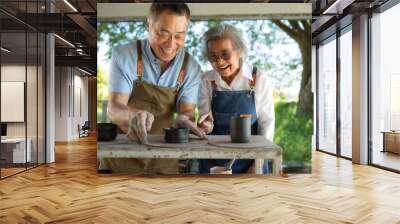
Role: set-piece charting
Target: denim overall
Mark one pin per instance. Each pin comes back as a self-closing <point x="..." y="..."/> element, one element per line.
<point x="224" y="105"/>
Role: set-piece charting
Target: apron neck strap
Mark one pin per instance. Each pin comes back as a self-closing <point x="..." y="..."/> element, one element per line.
<point x="182" y="72"/>
<point x="214" y="85"/>
<point x="139" y="61"/>
<point x="254" y="75"/>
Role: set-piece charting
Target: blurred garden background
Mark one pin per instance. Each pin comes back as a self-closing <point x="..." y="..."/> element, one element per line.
<point x="281" y="47"/>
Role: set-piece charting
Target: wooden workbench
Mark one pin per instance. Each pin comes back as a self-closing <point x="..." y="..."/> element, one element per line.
<point x="215" y="147"/>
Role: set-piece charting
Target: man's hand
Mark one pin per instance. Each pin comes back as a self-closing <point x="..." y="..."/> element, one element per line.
<point x="184" y="121"/>
<point x="206" y="123"/>
<point x="140" y="123"/>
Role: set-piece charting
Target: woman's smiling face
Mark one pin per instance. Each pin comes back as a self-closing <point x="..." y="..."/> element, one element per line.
<point x="223" y="57"/>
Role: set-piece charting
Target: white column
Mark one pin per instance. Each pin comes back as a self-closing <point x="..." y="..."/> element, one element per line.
<point x="360" y="90"/>
<point x="50" y="93"/>
<point x="50" y="101"/>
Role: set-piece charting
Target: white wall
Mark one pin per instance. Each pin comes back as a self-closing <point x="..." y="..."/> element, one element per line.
<point x="61" y="103"/>
<point x="33" y="127"/>
<point x="13" y="73"/>
<point x="69" y="85"/>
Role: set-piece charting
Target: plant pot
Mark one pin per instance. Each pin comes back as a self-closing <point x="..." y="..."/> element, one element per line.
<point x="106" y="131"/>
<point x="176" y="135"/>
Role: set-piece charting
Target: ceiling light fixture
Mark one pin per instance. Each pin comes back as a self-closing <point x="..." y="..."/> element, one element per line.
<point x="334" y="8"/>
<point x="70" y="5"/>
<point x="65" y="41"/>
<point x="5" y="50"/>
<point x="84" y="71"/>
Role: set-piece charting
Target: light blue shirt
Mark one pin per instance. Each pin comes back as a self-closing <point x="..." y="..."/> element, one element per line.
<point x="123" y="71"/>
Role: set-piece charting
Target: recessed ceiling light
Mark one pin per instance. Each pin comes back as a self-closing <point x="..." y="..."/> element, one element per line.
<point x="338" y="6"/>
<point x="64" y="40"/>
<point x="70" y="5"/>
<point x="84" y="71"/>
<point x="5" y="50"/>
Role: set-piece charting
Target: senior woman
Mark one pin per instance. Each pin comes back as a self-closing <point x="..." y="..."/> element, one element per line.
<point x="232" y="88"/>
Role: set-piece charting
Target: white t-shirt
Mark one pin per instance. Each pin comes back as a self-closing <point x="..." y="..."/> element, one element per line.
<point x="264" y="100"/>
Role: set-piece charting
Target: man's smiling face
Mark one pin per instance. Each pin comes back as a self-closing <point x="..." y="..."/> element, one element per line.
<point x="167" y="35"/>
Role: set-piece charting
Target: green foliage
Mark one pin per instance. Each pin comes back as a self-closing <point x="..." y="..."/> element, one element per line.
<point x="269" y="48"/>
<point x="118" y="33"/>
<point x="102" y="84"/>
<point x="293" y="132"/>
<point x="102" y="90"/>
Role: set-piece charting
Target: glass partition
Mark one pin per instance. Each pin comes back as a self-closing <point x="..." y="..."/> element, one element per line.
<point x="22" y="90"/>
<point x="327" y="96"/>
<point x="41" y="86"/>
<point x="346" y="94"/>
<point x="15" y="151"/>
<point x="385" y="89"/>
<point x="31" y="97"/>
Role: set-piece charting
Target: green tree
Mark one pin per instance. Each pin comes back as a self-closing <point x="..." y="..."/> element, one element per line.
<point x="300" y="31"/>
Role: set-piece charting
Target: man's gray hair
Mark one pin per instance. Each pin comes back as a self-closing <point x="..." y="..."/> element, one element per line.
<point x="179" y="9"/>
<point x="222" y="32"/>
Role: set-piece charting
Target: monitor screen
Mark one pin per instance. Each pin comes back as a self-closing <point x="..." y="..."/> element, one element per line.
<point x="3" y="129"/>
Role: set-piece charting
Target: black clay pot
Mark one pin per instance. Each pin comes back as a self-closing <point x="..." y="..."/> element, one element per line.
<point x="176" y="135"/>
<point x="240" y="129"/>
<point x="106" y="131"/>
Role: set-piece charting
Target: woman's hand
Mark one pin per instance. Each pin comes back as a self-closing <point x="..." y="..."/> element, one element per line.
<point x="184" y="121"/>
<point x="206" y="123"/>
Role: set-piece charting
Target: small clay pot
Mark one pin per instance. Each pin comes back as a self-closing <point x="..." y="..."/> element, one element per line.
<point x="240" y="129"/>
<point x="106" y="131"/>
<point x="176" y="135"/>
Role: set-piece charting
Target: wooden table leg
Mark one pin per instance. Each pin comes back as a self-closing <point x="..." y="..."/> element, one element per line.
<point x="259" y="163"/>
<point x="277" y="165"/>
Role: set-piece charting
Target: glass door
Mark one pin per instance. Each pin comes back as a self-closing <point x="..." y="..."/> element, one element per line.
<point x="385" y="89"/>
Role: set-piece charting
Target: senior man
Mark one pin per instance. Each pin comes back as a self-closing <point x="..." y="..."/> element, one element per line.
<point x="150" y="80"/>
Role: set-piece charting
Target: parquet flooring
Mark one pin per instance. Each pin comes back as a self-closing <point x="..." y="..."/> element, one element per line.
<point x="70" y="191"/>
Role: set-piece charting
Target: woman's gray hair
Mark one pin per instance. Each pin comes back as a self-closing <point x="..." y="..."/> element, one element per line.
<point x="225" y="31"/>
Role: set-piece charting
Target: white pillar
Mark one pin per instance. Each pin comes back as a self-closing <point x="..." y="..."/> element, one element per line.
<point x="360" y="90"/>
<point x="50" y="101"/>
<point x="50" y="93"/>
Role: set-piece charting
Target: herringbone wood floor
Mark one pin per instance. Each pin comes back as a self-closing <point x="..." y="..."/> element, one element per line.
<point x="70" y="191"/>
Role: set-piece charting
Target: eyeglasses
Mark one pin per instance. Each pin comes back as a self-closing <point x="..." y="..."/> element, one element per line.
<point x="225" y="55"/>
<point x="165" y="35"/>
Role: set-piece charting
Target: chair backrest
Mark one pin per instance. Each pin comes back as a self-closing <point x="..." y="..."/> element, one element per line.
<point x="86" y="125"/>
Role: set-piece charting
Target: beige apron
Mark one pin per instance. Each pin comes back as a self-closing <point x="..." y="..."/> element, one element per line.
<point x="161" y="102"/>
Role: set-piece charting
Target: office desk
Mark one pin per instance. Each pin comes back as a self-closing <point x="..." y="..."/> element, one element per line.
<point x="391" y="141"/>
<point x="216" y="147"/>
<point x="13" y="150"/>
